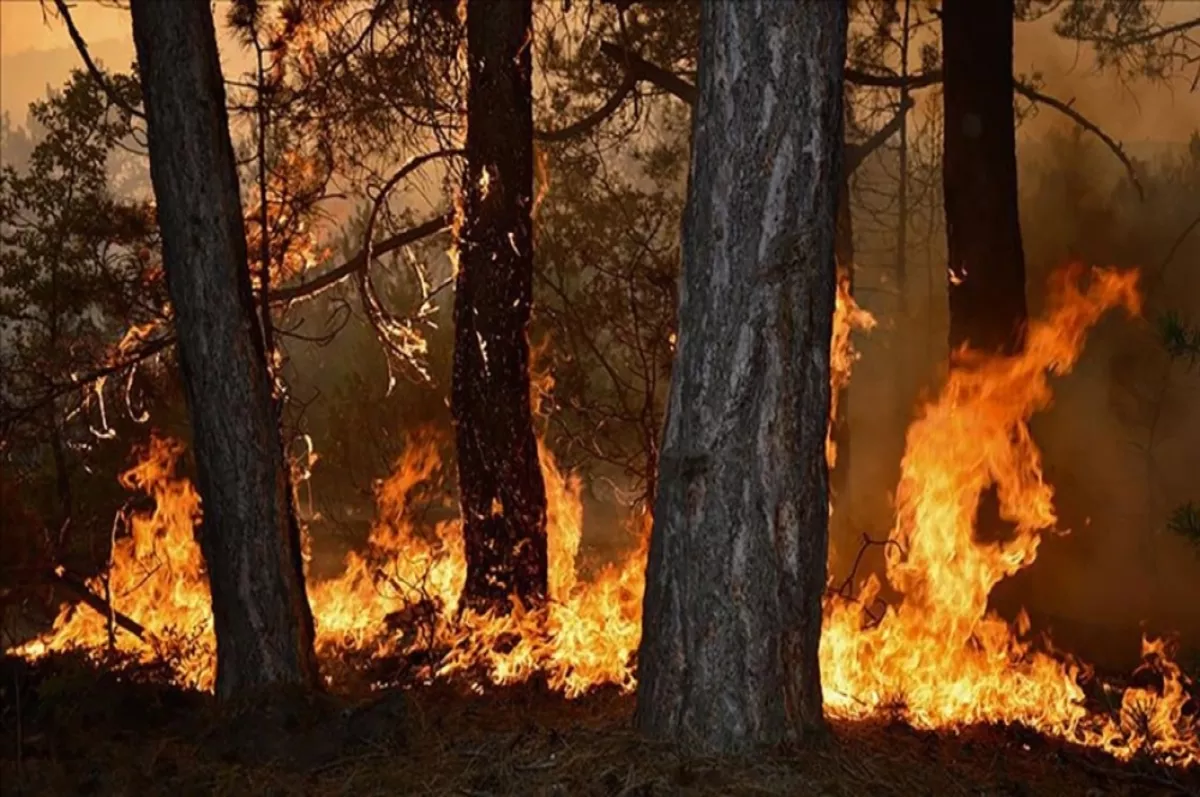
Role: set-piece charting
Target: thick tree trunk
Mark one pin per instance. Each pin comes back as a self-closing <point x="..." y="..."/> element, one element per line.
<point x="732" y="614"/>
<point x="250" y="538"/>
<point x="501" y="490"/>
<point x="986" y="260"/>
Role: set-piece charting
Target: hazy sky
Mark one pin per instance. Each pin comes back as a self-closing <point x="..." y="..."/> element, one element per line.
<point x="35" y="54"/>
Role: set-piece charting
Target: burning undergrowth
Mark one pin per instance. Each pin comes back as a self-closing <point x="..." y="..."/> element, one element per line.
<point x="934" y="659"/>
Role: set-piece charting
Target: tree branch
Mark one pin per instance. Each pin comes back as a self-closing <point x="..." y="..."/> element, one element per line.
<point x="1065" y="108"/>
<point x="146" y="352"/>
<point x="96" y="603"/>
<point x="1145" y="36"/>
<point x="855" y="154"/>
<point x="372" y="249"/>
<point x="593" y="119"/>
<point x="934" y="77"/>
<point x="920" y="81"/>
<point x="355" y="264"/>
<point x="639" y="68"/>
<point x="65" y="12"/>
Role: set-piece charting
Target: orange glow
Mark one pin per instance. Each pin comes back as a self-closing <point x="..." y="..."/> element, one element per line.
<point x="847" y="317"/>
<point x="936" y="656"/>
<point x="157" y="578"/>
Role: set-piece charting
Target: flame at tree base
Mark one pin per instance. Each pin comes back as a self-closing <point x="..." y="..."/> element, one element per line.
<point x="937" y="658"/>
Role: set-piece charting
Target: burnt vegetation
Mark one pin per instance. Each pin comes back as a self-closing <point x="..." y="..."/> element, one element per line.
<point x="454" y="397"/>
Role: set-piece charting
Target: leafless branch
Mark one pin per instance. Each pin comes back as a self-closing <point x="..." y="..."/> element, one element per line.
<point x="1065" y="108"/>
<point x="98" y="604"/>
<point x="596" y="117"/>
<point x="855" y="154"/>
<point x="639" y="69"/>
<point x="355" y="264"/>
<point x="919" y="81"/>
<point x="65" y="12"/>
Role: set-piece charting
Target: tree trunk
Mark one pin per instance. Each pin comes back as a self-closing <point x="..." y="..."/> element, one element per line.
<point x="732" y="616"/>
<point x="250" y="537"/>
<point x="902" y="194"/>
<point x="986" y="260"/>
<point x="500" y="482"/>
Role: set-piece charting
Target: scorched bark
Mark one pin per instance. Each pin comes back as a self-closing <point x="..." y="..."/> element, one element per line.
<point x="983" y="230"/>
<point x="732" y="613"/>
<point x="249" y="536"/>
<point x="501" y="490"/>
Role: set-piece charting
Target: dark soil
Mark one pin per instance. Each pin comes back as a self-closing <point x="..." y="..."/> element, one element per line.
<point x="68" y="728"/>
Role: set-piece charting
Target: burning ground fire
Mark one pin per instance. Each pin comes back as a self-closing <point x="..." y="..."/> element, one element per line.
<point x="937" y="657"/>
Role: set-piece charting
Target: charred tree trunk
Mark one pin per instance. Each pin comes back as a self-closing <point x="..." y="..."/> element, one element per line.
<point x="988" y="310"/>
<point x="902" y="188"/>
<point x="500" y="482"/>
<point x="250" y="537"/>
<point x="732" y="614"/>
<point x="983" y="229"/>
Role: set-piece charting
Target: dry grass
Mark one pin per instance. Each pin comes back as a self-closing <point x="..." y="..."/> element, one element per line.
<point x="82" y="731"/>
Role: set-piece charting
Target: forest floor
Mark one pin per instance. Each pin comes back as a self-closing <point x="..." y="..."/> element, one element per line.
<point x="67" y="727"/>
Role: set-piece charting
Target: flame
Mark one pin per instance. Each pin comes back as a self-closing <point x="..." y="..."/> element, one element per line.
<point x="936" y="657"/>
<point x="583" y="637"/>
<point x="293" y="245"/>
<point x="847" y="317"/>
<point x="157" y="578"/>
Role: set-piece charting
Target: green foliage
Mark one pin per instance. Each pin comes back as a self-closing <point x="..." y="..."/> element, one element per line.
<point x="1179" y="337"/>
<point x="1130" y="36"/>
<point x="1185" y="521"/>
<point x="76" y="264"/>
<point x="78" y="267"/>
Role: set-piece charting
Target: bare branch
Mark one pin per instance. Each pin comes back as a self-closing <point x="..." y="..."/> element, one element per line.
<point x="150" y="349"/>
<point x="639" y="68"/>
<point x="360" y="261"/>
<point x="855" y="154"/>
<point x="923" y="80"/>
<point x="593" y="119"/>
<point x="1065" y="108"/>
<point x="98" y="604"/>
<point x="65" y="12"/>
<point x="355" y="264"/>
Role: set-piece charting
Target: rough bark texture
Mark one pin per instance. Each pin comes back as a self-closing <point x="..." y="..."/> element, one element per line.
<point x="249" y="537"/>
<point x="501" y="490"/>
<point x="732" y="616"/>
<point x="986" y="260"/>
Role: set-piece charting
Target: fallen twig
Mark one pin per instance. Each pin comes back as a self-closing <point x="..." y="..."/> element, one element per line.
<point x="96" y="603"/>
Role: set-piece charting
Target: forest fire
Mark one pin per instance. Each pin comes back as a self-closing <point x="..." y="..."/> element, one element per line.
<point x="937" y="657"/>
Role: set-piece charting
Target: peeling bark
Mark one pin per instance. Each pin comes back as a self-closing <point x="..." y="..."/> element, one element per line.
<point x="732" y="616"/>
<point x="983" y="229"/>
<point x="501" y="490"/>
<point x="249" y="537"/>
